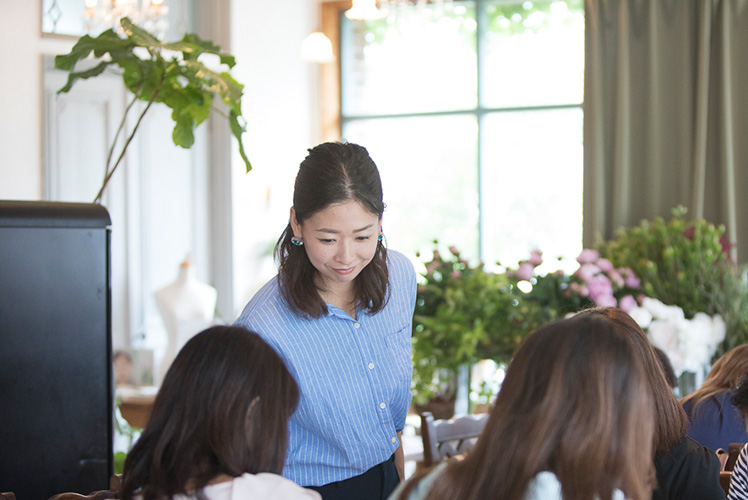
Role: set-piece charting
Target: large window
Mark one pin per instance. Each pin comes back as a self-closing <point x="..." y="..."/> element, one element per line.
<point x="473" y="112"/>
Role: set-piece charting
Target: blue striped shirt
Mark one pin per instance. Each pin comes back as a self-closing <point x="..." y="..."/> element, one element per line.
<point x="354" y="376"/>
<point x="739" y="477"/>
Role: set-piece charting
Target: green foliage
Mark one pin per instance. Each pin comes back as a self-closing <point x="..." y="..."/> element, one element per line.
<point x="687" y="264"/>
<point x="168" y="73"/>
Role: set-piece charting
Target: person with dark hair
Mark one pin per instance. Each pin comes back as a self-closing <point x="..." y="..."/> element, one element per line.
<point x="715" y="422"/>
<point x="685" y="469"/>
<point x="574" y="419"/>
<point x="219" y="425"/>
<point x="739" y="477"/>
<point x="667" y="368"/>
<point x="340" y="314"/>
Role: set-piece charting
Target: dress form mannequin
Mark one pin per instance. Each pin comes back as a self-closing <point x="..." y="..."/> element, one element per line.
<point x="187" y="307"/>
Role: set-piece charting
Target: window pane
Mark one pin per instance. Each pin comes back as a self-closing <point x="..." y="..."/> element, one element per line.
<point x="532" y="184"/>
<point x="429" y="176"/>
<point x="533" y="53"/>
<point x="417" y="59"/>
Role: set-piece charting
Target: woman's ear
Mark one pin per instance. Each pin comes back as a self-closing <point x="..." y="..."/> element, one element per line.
<point x="295" y="226"/>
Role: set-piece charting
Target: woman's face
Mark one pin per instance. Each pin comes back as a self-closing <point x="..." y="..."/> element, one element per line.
<point x="340" y="241"/>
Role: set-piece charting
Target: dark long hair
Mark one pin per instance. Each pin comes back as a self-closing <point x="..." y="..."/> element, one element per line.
<point x="223" y="408"/>
<point x="575" y="401"/>
<point x="671" y="421"/>
<point x="333" y="172"/>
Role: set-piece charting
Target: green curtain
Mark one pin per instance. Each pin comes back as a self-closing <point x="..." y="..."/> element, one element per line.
<point x="666" y="114"/>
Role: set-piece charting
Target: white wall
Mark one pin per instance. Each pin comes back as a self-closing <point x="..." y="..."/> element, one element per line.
<point x="280" y="104"/>
<point x="21" y="97"/>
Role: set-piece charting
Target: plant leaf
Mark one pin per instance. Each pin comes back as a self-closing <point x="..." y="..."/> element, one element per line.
<point x="75" y="76"/>
<point x="238" y="129"/>
<point x="139" y="36"/>
<point x="183" y="134"/>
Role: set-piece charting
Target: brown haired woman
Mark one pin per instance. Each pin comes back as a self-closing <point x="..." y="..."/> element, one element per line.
<point x="340" y="314"/>
<point x="574" y="419"/>
<point x="715" y="422"/>
<point x="218" y="429"/>
<point x="685" y="469"/>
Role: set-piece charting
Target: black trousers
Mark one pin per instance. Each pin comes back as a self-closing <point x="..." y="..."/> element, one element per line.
<point x="375" y="484"/>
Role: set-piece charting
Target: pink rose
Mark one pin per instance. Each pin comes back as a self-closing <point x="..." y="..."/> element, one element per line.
<point x="587" y="271"/>
<point x="605" y="301"/>
<point x="628" y="303"/>
<point x="601" y="291"/>
<point x="630" y="279"/>
<point x="588" y="255"/>
<point x="605" y="265"/>
<point x="525" y="270"/>
<point x="536" y="257"/>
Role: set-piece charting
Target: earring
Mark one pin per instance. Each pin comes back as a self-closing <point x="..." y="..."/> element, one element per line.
<point x="297" y="241"/>
<point x="381" y="236"/>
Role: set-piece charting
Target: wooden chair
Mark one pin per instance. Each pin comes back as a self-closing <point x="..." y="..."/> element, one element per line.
<point x="724" y="480"/>
<point x="444" y="439"/>
<point x="733" y="452"/>
<point x="115" y="484"/>
<point x="96" y="495"/>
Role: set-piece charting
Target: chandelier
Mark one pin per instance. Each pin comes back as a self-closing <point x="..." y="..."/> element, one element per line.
<point x="151" y="15"/>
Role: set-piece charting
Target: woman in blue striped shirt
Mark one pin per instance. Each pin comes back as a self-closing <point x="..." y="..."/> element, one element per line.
<point x="340" y="314"/>
<point x="739" y="477"/>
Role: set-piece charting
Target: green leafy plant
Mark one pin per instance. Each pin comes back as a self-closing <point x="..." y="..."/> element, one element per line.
<point x="463" y="313"/>
<point x="168" y="73"/>
<point x="686" y="263"/>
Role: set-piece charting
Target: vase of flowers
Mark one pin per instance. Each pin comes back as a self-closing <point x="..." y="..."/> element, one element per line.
<point x="688" y="265"/>
<point x="463" y="313"/>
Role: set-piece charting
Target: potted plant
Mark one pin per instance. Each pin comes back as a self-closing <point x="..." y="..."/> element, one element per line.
<point x="159" y="72"/>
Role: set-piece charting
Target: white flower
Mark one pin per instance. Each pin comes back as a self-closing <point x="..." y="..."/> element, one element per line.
<point x="664" y="334"/>
<point x="662" y="311"/>
<point x="642" y="317"/>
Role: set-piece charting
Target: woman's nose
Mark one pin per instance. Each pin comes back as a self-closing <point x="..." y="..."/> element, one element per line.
<point x="344" y="252"/>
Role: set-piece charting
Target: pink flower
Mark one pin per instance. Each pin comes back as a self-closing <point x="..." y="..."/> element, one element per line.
<point x="616" y="278"/>
<point x="588" y="255"/>
<point x="630" y="279"/>
<point x="605" y="301"/>
<point x="525" y="270"/>
<point x="605" y="265"/>
<point x="587" y="271"/>
<point x="628" y="303"/>
<point x="601" y="291"/>
<point x="536" y="257"/>
<point x="454" y="251"/>
<point x="455" y="274"/>
<point x="726" y="247"/>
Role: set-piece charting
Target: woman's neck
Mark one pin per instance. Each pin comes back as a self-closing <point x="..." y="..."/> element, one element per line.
<point x="340" y="295"/>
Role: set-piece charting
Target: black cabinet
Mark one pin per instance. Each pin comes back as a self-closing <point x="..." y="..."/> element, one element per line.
<point x="56" y="391"/>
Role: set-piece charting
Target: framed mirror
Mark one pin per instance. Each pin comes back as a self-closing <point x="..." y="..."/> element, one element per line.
<point x="63" y="17"/>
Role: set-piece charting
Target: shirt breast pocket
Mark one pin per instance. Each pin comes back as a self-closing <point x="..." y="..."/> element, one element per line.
<point x="399" y="350"/>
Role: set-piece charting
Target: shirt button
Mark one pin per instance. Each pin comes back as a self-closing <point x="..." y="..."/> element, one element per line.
<point x="357" y="325"/>
<point x="371" y="366"/>
<point x="382" y="405"/>
<point x="394" y="439"/>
